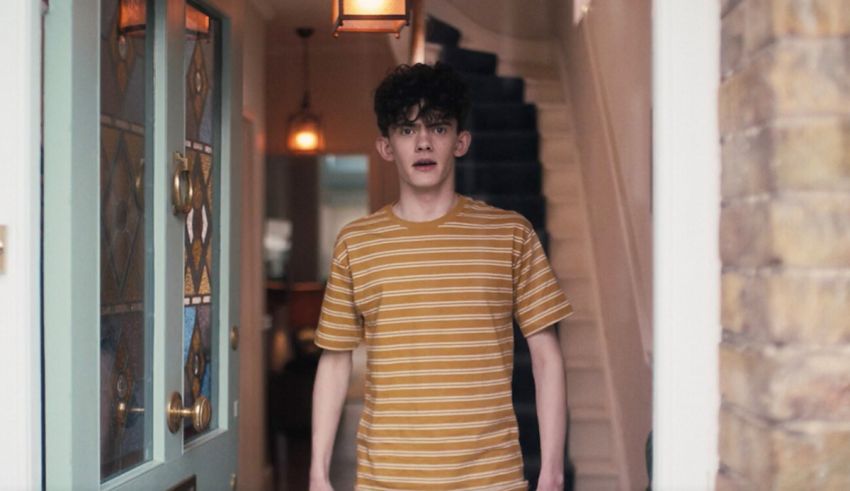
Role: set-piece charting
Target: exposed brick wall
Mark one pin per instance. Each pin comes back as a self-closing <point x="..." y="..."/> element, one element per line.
<point x="785" y="244"/>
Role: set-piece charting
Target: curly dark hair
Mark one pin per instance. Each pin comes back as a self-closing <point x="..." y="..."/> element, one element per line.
<point x="438" y="92"/>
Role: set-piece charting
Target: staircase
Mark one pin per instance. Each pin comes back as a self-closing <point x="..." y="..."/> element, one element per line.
<point x="523" y="157"/>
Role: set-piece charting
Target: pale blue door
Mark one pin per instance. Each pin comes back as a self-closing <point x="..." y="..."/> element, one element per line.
<point x="141" y="106"/>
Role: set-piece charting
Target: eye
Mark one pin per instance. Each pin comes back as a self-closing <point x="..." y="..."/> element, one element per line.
<point x="406" y="130"/>
<point x="441" y="130"/>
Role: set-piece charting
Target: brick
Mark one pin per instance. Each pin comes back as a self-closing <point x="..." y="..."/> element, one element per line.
<point x="745" y="377"/>
<point x="811" y="76"/>
<point x="744" y="305"/>
<point x="745" y="234"/>
<point x="804" y="309"/>
<point x="812" y="456"/>
<point x="730" y="481"/>
<point x="810" y="385"/>
<point x="744" y="446"/>
<point x="792" y="155"/>
<point x="727" y="5"/>
<point x="811" y="18"/>
<point x="811" y="154"/>
<point x="787" y="307"/>
<point x="786" y="384"/>
<point x="811" y="230"/>
<point x="801" y="230"/>
<point x="732" y="40"/>
<point x="746" y="98"/>
<point x="757" y="455"/>
<point x="790" y="78"/>
<point x="746" y="160"/>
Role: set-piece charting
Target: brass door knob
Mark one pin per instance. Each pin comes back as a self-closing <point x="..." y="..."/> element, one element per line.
<point x="181" y="191"/>
<point x="200" y="412"/>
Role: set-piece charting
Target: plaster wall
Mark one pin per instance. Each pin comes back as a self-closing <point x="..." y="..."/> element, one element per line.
<point x="609" y="69"/>
<point x="254" y="470"/>
<point x="529" y="19"/>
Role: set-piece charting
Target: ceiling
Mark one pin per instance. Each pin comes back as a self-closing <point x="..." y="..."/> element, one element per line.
<point x="295" y="13"/>
<point x="521" y="18"/>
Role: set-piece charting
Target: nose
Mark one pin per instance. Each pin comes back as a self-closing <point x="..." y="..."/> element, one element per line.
<point x="423" y="141"/>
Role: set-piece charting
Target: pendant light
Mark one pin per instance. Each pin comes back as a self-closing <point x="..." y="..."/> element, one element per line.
<point x="371" y="16"/>
<point x="304" y="129"/>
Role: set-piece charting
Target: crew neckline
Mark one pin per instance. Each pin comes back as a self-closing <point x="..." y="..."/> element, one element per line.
<point x="455" y="209"/>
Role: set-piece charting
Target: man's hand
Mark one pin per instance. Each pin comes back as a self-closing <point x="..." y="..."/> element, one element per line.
<point x="550" y="482"/>
<point x="320" y="484"/>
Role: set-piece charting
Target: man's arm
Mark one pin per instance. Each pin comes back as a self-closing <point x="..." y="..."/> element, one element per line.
<point x="547" y="363"/>
<point x="329" y="391"/>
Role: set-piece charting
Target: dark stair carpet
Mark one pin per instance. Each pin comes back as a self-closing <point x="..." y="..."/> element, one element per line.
<point x="503" y="169"/>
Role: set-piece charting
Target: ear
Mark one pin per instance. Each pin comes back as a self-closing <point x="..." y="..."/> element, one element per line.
<point x="464" y="138"/>
<point x="382" y="144"/>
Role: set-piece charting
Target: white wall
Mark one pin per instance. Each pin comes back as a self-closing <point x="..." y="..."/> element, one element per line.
<point x="687" y="264"/>
<point x="20" y="371"/>
<point x="528" y="19"/>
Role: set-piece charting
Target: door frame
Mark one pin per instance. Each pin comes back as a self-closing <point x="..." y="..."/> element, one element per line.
<point x="686" y="255"/>
<point x="20" y="303"/>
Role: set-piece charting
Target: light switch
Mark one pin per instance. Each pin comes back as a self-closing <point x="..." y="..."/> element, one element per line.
<point x="3" y="252"/>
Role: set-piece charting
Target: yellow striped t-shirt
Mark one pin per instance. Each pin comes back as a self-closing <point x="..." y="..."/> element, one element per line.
<point x="435" y="302"/>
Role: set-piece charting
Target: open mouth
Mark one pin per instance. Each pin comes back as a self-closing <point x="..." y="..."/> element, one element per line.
<point x="424" y="164"/>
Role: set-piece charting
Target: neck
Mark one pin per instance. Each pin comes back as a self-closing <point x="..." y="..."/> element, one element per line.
<point x="424" y="206"/>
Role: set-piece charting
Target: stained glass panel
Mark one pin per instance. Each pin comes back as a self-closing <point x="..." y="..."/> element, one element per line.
<point x="125" y="430"/>
<point x="201" y="264"/>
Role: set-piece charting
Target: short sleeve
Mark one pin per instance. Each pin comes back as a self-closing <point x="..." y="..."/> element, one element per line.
<point x="340" y="324"/>
<point x="539" y="301"/>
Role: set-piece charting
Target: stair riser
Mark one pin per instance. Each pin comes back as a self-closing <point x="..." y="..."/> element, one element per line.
<point x="591" y="440"/>
<point x="565" y="222"/>
<point x="585" y="388"/>
<point x="581" y="298"/>
<point x="579" y="339"/>
<point x="521" y="147"/>
<point x="542" y="92"/>
<point x="495" y="89"/>
<point x="469" y="61"/>
<point x="594" y="483"/>
<point x="558" y="152"/>
<point x="439" y="32"/>
<point x="566" y="258"/>
<point x="520" y="178"/>
<point x="562" y="185"/>
<point x="503" y="116"/>
<point x="553" y="119"/>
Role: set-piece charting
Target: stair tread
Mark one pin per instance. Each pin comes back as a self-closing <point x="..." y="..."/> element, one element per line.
<point x="583" y="362"/>
<point x="588" y="413"/>
<point x="586" y="467"/>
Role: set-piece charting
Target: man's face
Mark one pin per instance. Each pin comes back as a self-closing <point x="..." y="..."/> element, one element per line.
<point x="424" y="152"/>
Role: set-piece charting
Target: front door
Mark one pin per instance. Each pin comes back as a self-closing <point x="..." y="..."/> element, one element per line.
<point x="141" y="128"/>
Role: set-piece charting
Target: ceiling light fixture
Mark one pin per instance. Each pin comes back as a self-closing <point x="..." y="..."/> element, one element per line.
<point x="304" y="130"/>
<point x="388" y="16"/>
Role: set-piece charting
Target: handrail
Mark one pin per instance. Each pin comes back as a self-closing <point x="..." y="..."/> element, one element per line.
<point x="635" y="273"/>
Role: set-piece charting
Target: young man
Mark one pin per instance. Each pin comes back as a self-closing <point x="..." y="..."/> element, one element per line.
<point x="432" y="284"/>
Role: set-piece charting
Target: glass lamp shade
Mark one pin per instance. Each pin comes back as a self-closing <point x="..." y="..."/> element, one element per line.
<point x="370" y="15"/>
<point x="304" y="134"/>
<point x="132" y="16"/>
<point x="132" y="19"/>
<point x="197" y="22"/>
